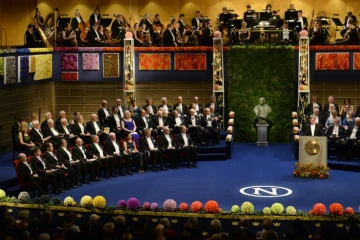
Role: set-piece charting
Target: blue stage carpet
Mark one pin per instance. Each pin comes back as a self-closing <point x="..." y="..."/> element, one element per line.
<point x="222" y="181"/>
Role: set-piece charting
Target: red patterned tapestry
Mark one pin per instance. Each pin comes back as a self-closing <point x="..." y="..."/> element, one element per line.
<point x="356" y="61"/>
<point x="190" y="61"/>
<point x="154" y="61"/>
<point x="332" y="61"/>
<point x="70" y="76"/>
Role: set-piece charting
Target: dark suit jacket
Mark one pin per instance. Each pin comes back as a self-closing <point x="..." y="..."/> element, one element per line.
<point x="317" y="132"/>
<point x="102" y="116"/>
<point x="91" y="36"/>
<point x="185" y="108"/>
<point x="38" y="166"/>
<point x="51" y="161"/>
<point x="92" y="19"/>
<point x="346" y="19"/>
<point x="112" y="123"/>
<point x="169" y="108"/>
<point x="156" y="121"/>
<point x="74" y="23"/>
<point x="208" y="36"/>
<point x="330" y="130"/>
<point x="92" y="150"/>
<point x="148" y="26"/>
<point x="44" y="125"/>
<point x="182" y="26"/>
<point x="200" y="109"/>
<point x="140" y="124"/>
<point x="163" y="142"/>
<point x="144" y="144"/>
<point x="35" y="136"/>
<point x="77" y="129"/>
<point x="180" y="140"/>
<point x="123" y="109"/>
<point x="48" y="132"/>
<point x="64" y="157"/>
<point x="153" y="107"/>
<point x="169" y="40"/>
<point x="326" y="107"/>
<point x="24" y="170"/>
<point x="309" y="108"/>
<point x="194" y="23"/>
<point x="188" y="121"/>
<point x="305" y="22"/>
<point x="172" y="121"/>
<point x="349" y="131"/>
<point x="115" y="28"/>
<point x="61" y="129"/>
<point x="77" y="154"/>
<point x="91" y="128"/>
<point x="111" y="149"/>
<point x="216" y="107"/>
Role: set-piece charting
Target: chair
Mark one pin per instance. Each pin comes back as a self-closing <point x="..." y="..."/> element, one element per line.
<point x="24" y="184"/>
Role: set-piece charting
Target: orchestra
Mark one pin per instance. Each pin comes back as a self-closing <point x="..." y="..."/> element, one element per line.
<point x="255" y="27"/>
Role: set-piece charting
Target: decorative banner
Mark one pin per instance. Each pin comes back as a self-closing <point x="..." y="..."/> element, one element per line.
<point x="43" y="69"/>
<point x="90" y="61"/>
<point x="356" y="61"/>
<point x="154" y="61"/>
<point x="1" y="66"/>
<point x="10" y="70"/>
<point x="24" y="74"/>
<point x="70" y="76"/>
<point x="69" y="61"/>
<point x="332" y="61"/>
<point x="32" y="64"/>
<point x="190" y="61"/>
<point x="111" y="67"/>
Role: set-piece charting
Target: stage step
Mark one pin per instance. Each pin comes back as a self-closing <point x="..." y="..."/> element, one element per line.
<point x="212" y="157"/>
<point x="353" y="166"/>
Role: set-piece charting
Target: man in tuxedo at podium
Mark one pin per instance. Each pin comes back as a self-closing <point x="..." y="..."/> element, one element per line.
<point x="314" y="129"/>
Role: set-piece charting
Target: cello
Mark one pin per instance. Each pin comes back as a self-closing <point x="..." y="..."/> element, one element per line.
<point x="84" y="28"/>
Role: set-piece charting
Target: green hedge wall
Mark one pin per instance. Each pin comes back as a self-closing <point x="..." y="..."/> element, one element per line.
<point x="262" y="71"/>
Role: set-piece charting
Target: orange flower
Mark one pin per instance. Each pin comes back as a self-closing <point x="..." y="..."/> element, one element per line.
<point x="336" y="209"/>
<point x="321" y="176"/>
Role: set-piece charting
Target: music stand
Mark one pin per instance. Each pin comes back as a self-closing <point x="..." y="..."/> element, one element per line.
<point x="252" y="22"/>
<point x="296" y="26"/>
<point x="337" y="24"/>
<point x="227" y="17"/>
<point x="264" y="16"/>
<point x="105" y="22"/>
<point x="290" y="15"/>
<point x="277" y="22"/>
<point x="235" y="23"/>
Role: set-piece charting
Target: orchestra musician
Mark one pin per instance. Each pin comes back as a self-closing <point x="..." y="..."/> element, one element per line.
<point x="292" y="7"/>
<point x="116" y="29"/>
<point x="102" y="34"/>
<point x="244" y="34"/>
<point x="223" y="16"/>
<point x="159" y="26"/>
<point x="39" y="19"/>
<point x="149" y="27"/>
<point x="31" y="41"/>
<point x="208" y="34"/>
<point x="303" y="21"/>
<point x="248" y="10"/>
<point x="169" y="37"/>
<point x="349" y="17"/>
<point x="196" y="23"/>
<point x="95" y="17"/>
<point x="351" y="36"/>
<point x="179" y="35"/>
<point x="94" y="37"/>
<point x="286" y="34"/>
<point x="145" y="35"/>
<point x="68" y="36"/>
<point x="75" y="23"/>
<point x="315" y="34"/>
<point x="136" y="34"/>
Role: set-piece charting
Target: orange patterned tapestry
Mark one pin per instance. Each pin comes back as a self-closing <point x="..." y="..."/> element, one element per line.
<point x="190" y="61"/>
<point x="332" y="61"/>
<point x="154" y="61"/>
<point x="356" y="61"/>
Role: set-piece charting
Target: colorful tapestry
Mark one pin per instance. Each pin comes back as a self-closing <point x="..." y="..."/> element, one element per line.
<point x="69" y="61"/>
<point x="90" y="61"/>
<point x="70" y="76"/>
<point x="24" y="74"/>
<point x="154" y="61"/>
<point x="190" y="61"/>
<point x="356" y="61"/>
<point x="10" y="70"/>
<point x="111" y="67"/>
<point x="32" y="63"/>
<point x="43" y="69"/>
<point x="1" y="66"/>
<point x="332" y="61"/>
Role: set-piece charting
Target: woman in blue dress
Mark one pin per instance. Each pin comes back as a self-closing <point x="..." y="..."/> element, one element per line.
<point x="128" y="125"/>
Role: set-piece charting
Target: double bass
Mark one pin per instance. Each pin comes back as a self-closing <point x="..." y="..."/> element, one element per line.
<point x="84" y="28"/>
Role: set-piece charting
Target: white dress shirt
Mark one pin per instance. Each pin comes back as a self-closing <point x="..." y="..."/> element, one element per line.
<point x="312" y="127"/>
<point x="97" y="129"/>
<point x="66" y="130"/>
<point x="96" y="17"/>
<point x="172" y="35"/>
<point x="150" y="107"/>
<point x="186" y="142"/>
<point x="106" y="112"/>
<point x="68" y="153"/>
<point x="28" y="165"/>
<point x="121" y="112"/>
<point x="197" y="22"/>
<point x="161" y="122"/>
<point x="83" y="152"/>
<point x="178" y="121"/>
<point x="81" y="127"/>
<point x="336" y="130"/>
<point x="78" y="19"/>
<point x="286" y="34"/>
<point x="101" y="152"/>
<point x="167" y="136"/>
<point x="54" y="131"/>
<point x="38" y="131"/>
<point x="117" y="149"/>
<point x="39" y="158"/>
<point x="353" y="133"/>
<point x="145" y="121"/>
<point x="166" y="109"/>
<point x="180" y="105"/>
<point x="316" y="119"/>
<point x="196" y="107"/>
<point x="302" y="22"/>
<point x="193" y="121"/>
<point x="117" y="120"/>
<point x="150" y="143"/>
<point x="53" y="155"/>
<point x="208" y="120"/>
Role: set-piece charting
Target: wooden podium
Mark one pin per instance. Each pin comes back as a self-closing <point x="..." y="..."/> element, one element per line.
<point x="313" y="150"/>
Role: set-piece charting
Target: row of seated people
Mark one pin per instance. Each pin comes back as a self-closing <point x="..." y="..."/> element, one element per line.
<point x="345" y="138"/>
<point x="82" y="160"/>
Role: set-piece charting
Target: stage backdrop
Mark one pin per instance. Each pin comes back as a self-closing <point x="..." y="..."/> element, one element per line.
<point x="261" y="71"/>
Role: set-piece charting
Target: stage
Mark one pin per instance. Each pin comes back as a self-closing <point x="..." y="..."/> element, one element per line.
<point x="223" y="180"/>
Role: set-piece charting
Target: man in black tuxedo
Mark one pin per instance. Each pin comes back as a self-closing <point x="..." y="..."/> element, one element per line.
<point x="113" y="148"/>
<point x="194" y="125"/>
<point x="303" y="21"/>
<point x="79" y="152"/>
<point x="149" y="144"/>
<point x="52" y="160"/>
<point x="104" y="114"/>
<point x="93" y="36"/>
<point x="148" y="22"/>
<point x="208" y="34"/>
<point x="95" y="17"/>
<point x="94" y="126"/>
<point x="211" y="129"/>
<point x="198" y="107"/>
<point x="36" y="135"/>
<point x="80" y="130"/>
<point x="149" y="104"/>
<point x="184" y="110"/>
<point x="97" y="151"/>
<point x="213" y="103"/>
<point x="327" y="114"/>
<point x="116" y="29"/>
<point x="348" y="18"/>
<point x="159" y="122"/>
<point x="196" y="23"/>
<point x="62" y="114"/>
<point x="314" y="103"/>
<point x="165" y="106"/>
<point x="345" y="112"/>
<point x="168" y="146"/>
<point x="120" y="107"/>
<point x="176" y="121"/>
<point x="65" y="129"/>
<point x="115" y="122"/>
<point x="352" y="137"/>
<point x="44" y="124"/>
<point x="30" y="174"/>
<point x="188" y="148"/>
<point x="42" y="169"/>
<point x="15" y="128"/>
<point x="314" y="129"/>
<point x="51" y="132"/>
<point x="169" y="39"/>
<point x="70" y="162"/>
<point x="330" y="101"/>
<point x="334" y="134"/>
<point x="143" y="122"/>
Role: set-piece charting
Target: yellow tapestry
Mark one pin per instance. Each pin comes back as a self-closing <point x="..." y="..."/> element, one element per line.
<point x="43" y="67"/>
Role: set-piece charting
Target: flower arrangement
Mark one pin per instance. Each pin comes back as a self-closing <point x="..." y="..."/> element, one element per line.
<point x="2" y="194"/>
<point x="295" y="122"/>
<point x="45" y="199"/>
<point x="235" y="209"/>
<point x="296" y="138"/>
<point x="311" y="170"/>
<point x="230" y="129"/>
<point x="36" y="200"/>
<point x="277" y="208"/>
<point x="146" y="206"/>
<point x="229" y="138"/>
<point x="56" y="201"/>
<point x="122" y="204"/>
<point x="86" y="201"/>
<point x="247" y="208"/>
<point x="133" y="203"/>
<point x="99" y="202"/>
<point x="196" y="206"/>
<point x="24" y="197"/>
<point x="231" y="114"/>
<point x="184" y="207"/>
<point x="336" y="209"/>
<point x="69" y="202"/>
<point x="296" y="130"/>
<point x="294" y="115"/>
<point x="154" y="206"/>
<point x="319" y="209"/>
<point x="129" y="87"/>
<point x="349" y="211"/>
<point x="290" y="210"/>
<point x="231" y="122"/>
<point x="267" y="211"/>
<point x="211" y="206"/>
<point x="169" y="205"/>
